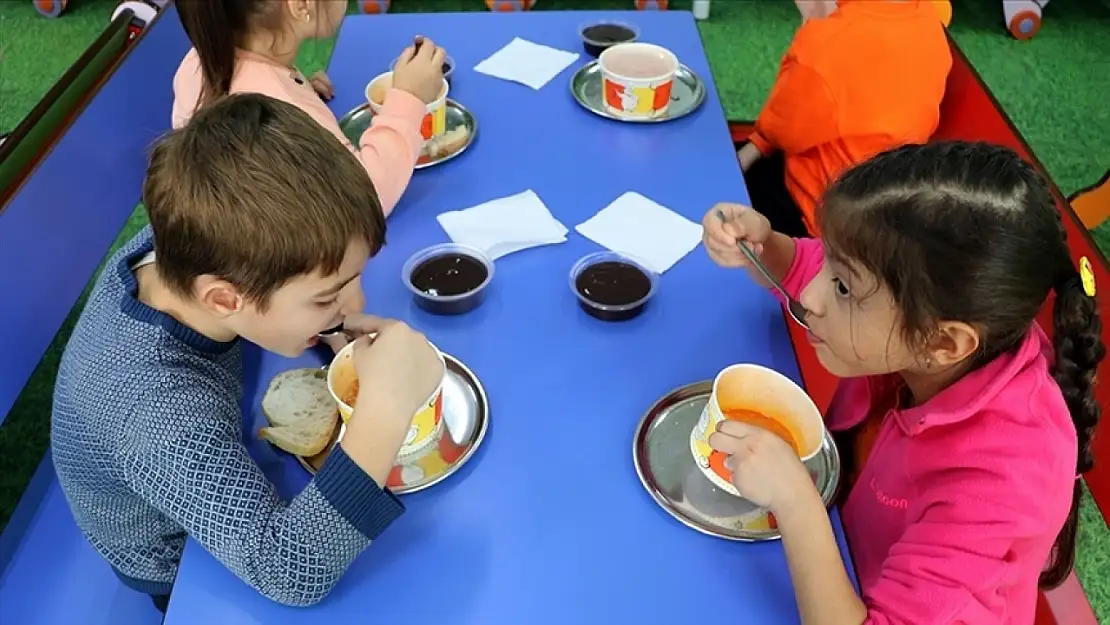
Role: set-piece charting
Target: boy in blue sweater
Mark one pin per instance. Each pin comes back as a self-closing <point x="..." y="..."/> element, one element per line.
<point x="261" y="223"/>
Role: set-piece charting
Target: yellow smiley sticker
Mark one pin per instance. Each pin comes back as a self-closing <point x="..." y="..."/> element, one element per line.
<point x="1087" y="276"/>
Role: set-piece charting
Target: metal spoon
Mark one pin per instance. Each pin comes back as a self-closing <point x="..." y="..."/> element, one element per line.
<point x="793" y="306"/>
<point x="332" y="331"/>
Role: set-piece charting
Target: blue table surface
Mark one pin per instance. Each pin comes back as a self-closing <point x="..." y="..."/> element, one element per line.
<point x="548" y="523"/>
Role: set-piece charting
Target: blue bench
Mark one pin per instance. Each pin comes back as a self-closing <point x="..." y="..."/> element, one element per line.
<point x="55" y="231"/>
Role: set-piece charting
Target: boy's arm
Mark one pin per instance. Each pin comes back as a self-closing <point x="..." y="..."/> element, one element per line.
<point x="799" y="114"/>
<point x="198" y="473"/>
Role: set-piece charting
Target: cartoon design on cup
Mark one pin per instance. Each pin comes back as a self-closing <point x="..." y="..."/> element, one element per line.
<point x="637" y="79"/>
<point x="434" y="123"/>
<point x="640" y="101"/>
<point x="427" y="423"/>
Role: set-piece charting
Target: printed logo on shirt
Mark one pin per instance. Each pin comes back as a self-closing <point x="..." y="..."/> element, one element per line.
<point x="900" y="503"/>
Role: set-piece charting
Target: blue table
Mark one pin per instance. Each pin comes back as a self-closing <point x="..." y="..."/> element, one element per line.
<point x="548" y="524"/>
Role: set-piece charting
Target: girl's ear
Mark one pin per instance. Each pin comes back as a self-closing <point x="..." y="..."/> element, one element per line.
<point x="952" y="343"/>
<point x="300" y="11"/>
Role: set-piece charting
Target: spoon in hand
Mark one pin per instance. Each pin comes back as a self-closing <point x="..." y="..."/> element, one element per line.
<point x="793" y="306"/>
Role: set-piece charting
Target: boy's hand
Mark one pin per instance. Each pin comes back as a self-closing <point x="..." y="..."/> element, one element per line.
<point x="748" y="154"/>
<point x="397" y="369"/>
<point x="419" y="70"/>
<point x="322" y="84"/>
<point x="741" y="223"/>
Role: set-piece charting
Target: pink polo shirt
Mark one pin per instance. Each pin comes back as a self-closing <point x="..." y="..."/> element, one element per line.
<point x="955" y="512"/>
<point x="388" y="149"/>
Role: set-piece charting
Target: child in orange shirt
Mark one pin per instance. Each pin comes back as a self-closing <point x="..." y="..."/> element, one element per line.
<point x="860" y="77"/>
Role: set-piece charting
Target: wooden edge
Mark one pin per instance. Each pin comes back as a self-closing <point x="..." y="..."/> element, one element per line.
<point x="122" y="22"/>
<point x="1091" y="219"/>
<point x="62" y="84"/>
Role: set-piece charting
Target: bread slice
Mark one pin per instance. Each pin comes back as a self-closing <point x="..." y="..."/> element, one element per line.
<point x="301" y="412"/>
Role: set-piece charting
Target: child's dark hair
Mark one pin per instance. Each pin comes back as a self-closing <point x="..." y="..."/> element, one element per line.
<point x="985" y="227"/>
<point x="217" y="28"/>
<point x="252" y="190"/>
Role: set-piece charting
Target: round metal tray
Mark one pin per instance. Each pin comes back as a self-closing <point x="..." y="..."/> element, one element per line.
<point x="661" y="453"/>
<point x="687" y="94"/>
<point x="356" y="121"/>
<point x="466" y="421"/>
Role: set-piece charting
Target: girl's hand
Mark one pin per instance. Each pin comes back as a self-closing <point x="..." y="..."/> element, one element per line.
<point x="322" y="84"/>
<point x="419" y="70"/>
<point x="741" y="223"/>
<point x="764" y="467"/>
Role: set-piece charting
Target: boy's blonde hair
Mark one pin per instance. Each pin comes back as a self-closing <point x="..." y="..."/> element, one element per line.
<point x="252" y="190"/>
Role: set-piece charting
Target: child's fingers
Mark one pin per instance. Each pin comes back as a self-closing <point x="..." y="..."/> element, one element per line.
<point x="723" y="234"/>
<point x="426" y="50"/>
<point x="405" y="58"/>
<point x="439" y="57"/>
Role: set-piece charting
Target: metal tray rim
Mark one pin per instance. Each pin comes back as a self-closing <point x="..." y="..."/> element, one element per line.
<point x="479" y="437"/>
<point x="691" y="391"/>
<point x="346" y="118"/>
<point x="699" y="98"/>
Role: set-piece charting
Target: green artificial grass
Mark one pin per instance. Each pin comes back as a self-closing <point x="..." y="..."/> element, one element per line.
<point x="1053" y="87"/>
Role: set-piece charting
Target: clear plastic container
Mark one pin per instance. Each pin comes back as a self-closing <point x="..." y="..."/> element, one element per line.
<point x="448" y="279"/>
<point x="612" y="286"/>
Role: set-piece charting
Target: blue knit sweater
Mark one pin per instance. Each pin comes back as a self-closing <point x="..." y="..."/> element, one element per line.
<point x="147" y="442"/>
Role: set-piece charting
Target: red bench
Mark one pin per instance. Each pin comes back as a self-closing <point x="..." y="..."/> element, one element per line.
<point x="971" y="113"/>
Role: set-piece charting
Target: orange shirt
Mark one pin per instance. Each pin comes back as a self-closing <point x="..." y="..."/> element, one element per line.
<point x="868" y="78"/>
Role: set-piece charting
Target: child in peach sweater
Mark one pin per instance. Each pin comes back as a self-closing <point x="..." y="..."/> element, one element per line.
<point x="249" y="46"/>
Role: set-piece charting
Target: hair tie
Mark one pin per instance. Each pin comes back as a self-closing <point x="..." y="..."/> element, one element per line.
<point x="1087" y="276"/>
<point x="1082" y="277"/>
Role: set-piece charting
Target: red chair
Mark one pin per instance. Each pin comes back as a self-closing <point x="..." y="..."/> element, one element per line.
<point x="970" y="112"/>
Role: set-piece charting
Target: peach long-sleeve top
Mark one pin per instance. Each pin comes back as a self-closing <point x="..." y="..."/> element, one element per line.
<point x="388" y="149"/>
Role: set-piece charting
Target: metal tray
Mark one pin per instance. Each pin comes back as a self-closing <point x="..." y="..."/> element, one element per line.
<point x="687" y="94"/>
<point x="661" y="453"/>
<point x="466" y="421"/>
<point x="355" y="122"/>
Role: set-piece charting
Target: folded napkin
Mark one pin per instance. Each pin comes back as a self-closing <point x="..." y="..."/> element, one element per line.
<point x="639" y="227"/>
<point x="505" y="225"/>
<point x="527" y="63"/>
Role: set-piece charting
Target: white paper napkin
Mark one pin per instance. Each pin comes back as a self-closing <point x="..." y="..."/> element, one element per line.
<point x="505" y="225"/>
<point x="527" y="63"/>
<point x="639" y="227"/>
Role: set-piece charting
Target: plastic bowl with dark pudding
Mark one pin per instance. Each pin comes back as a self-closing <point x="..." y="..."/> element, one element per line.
<point x="612" y="286"/>
<point x="448" y="279"/>
<point x="596" y="38"/>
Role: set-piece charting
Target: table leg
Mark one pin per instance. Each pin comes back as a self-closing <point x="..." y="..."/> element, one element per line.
<point x="51" y="8"/>
<point x="509" y="5"/>
<point x="1023" y="17"/>
<point x="373" y="7"/>
<point x="701" y="9"/>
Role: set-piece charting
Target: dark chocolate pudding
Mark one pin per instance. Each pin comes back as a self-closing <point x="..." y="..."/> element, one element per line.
<point x="598" y="37"/>
<point x="616" y="284"/>
<point x="449" y="275"/>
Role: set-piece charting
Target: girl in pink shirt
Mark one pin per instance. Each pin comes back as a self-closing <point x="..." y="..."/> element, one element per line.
<point x="922" y="296"/>
<point x="249" y="46"/>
